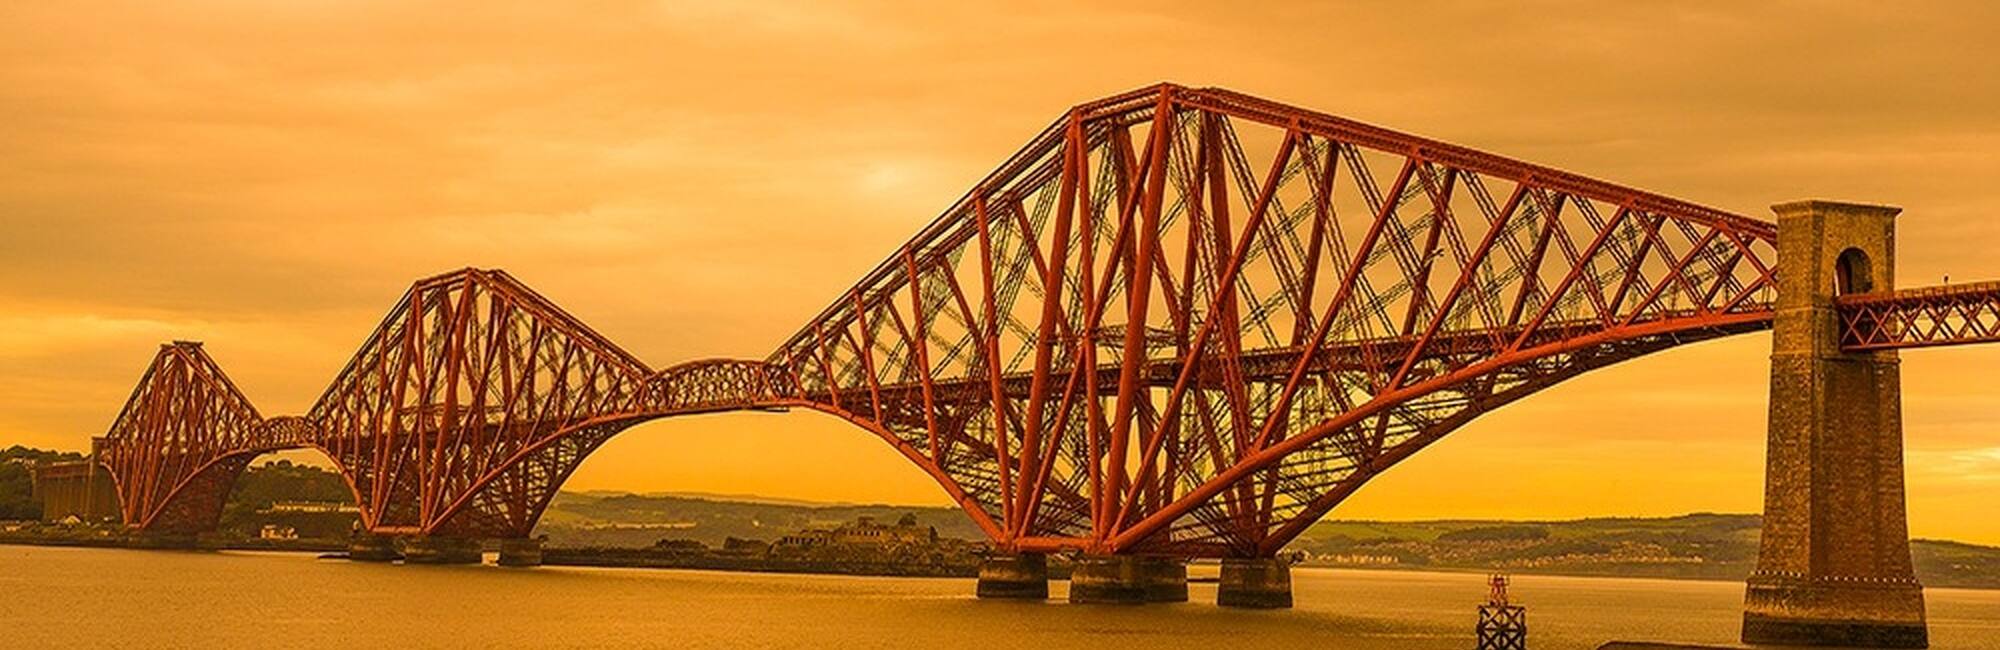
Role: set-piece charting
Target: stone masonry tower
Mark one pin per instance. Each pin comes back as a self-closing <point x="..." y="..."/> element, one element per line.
<point x="1834" y="566"/>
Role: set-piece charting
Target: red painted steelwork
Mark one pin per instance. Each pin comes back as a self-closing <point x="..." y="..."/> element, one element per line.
<point x="1179" y="321"/>
<point x="1920" y="318"/>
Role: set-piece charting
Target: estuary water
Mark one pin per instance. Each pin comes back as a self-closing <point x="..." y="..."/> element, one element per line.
<point x="103" y="598"/>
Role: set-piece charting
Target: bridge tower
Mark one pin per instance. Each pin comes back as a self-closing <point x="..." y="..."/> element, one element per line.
<point x="1834" y="566"/>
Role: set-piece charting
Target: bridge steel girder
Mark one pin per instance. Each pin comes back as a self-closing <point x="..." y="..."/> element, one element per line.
<point x="1179" y="321"/>
<point x="1920" y="318"/>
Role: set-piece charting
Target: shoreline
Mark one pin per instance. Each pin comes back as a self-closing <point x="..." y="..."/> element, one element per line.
<point x="640" y="559"/>
<point x="301" y="546"/>
<point x="1928" y="585"/>
<point x="646" y="559"/>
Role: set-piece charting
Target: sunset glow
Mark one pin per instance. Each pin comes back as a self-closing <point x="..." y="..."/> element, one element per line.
<point x="269" y="178"/>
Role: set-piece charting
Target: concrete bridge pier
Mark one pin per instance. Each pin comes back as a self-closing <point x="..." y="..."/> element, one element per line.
<point x="441" y="550"/>
<point x="1834" y="564"/>
<point x="1022" y="576"/>
<point x="521" y="552"/>
<point x="369" y="547"/>
<point x="1255" y="583"/>
<point x="1128" y="579"/>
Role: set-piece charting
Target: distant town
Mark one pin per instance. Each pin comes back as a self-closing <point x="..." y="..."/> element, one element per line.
<point x="864" y="546"/>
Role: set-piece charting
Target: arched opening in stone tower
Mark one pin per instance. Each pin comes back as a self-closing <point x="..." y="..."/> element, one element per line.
<point x="1851" y="273"/>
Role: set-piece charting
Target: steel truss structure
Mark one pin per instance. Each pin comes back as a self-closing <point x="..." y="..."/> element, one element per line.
<point x="1179" y="321"/>
<point x="1915" y="318"/>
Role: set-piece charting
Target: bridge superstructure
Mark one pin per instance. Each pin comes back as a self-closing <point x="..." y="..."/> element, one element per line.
<point x="1180" y="322"/>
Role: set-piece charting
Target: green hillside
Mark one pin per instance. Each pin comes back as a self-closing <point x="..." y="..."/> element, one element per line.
<point x="619" y="519"/>
<point x="1707" y="546"/>
<point x="1704" y="546"/>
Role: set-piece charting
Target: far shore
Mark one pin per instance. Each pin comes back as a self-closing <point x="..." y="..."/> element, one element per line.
<point x="575" y="557"/>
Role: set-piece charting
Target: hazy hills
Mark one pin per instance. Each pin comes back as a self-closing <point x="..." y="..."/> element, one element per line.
<point x="1708" y="546"/>
<point x="621" y="519"/>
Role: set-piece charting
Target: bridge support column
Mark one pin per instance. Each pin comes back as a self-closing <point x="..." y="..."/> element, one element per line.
<point x="1020" y="576"/>
<point x="1255" y="582"/>
<point x="1125" y="579"/>
<point x="1834" y="565"/>
<point x="520" y="552"/>
<point x="441" y="550"/>
<point x="369" y="547"/>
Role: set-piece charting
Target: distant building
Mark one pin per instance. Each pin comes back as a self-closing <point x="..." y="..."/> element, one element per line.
<point x="311" y="508"/>
<point x="274" y="531"/>
<point x="865" y="532"/>
<point x="305" y="520"/>
<point x="808" y="538"/>
<point x="75" y="488"/>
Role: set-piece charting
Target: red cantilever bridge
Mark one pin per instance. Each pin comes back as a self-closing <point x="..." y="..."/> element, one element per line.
<point x="1182" y="322"/>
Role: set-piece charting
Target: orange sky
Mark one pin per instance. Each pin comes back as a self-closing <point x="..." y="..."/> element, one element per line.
<point x="698" y="179"/>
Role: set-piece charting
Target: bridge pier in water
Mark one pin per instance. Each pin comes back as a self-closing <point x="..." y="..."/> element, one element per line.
<point x="369" y="547"/>
<point x="440" y="550"/>
<point x="1255" y="583"/>
<point x="1023" y="576"/>
<point x="1834" y="565"/>
<point x="1128" y="579"/>
<point x="520" y="552"/>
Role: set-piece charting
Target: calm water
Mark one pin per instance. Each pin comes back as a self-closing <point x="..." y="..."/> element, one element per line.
<point x="67" y="597"/>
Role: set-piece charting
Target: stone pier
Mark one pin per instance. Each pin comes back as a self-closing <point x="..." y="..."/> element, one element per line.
<point x="520" y="552"/>
<point x="367" y="547"/>
<point x="1127" y="579"/>
<point x="1256" y="583"/>
<point x="1021" y="576"/>
<point x="441" y="550"/>
<point x="1834" y="565"/>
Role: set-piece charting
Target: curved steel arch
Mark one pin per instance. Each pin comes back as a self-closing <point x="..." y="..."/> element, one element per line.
<point x="472" y="514"/>
<point x="477" y="397"/>
<point x="183" y="437"/>
<point x="1209" y="316"/>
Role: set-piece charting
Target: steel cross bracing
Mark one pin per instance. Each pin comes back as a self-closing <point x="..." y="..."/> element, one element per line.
<point x="1913" y="318"/>
<point x="1180" y="321"/>
<point x="1190" y="321"/>
<point x="461" y="414"/>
